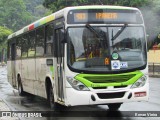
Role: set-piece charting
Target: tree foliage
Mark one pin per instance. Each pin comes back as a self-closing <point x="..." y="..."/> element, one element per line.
<point x="13" y="14"/>
<point x="36" y="8"/>
<point x="4" y="32"/>
<point x="55" y="5"/>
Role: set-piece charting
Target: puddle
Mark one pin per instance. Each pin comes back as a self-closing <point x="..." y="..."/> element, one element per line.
<point x="28" y="101"/>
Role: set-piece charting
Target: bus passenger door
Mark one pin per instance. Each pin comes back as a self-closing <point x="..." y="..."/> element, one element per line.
<point x="13" y="64"/>
<point x="59" y="66"/>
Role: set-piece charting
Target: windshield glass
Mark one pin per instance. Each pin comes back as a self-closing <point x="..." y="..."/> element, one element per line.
<point x="106" y="49"/>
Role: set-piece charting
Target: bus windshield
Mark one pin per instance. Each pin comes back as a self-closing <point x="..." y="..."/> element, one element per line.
<point x="106" y="49"/>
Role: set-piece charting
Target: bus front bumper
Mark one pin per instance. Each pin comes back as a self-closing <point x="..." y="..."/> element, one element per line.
<point x="98" y="97"/>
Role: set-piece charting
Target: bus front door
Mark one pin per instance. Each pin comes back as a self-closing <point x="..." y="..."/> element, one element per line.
<point x="59" y="65"/>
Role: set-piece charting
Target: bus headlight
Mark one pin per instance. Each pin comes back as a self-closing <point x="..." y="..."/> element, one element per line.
<point x="77" y="84"/>
<point x="140" y="83"/>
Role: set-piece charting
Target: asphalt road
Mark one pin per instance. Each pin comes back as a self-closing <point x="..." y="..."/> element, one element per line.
<point x="128" y="111"/>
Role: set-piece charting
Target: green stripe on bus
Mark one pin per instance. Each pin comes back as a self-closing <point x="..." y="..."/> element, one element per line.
<point x="89" y="83"/>
<point x="52" y="71"/>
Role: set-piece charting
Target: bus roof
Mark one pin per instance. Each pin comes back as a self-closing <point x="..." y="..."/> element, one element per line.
<point x="61" y="13"/>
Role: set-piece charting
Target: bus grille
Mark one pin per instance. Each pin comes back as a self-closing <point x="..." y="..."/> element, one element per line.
<point x="110" y="95"/>
<point x="109" y="79"/>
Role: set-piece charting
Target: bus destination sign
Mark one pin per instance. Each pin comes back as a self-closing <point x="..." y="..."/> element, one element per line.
<point x="83" y="16"/>
<point x="98" y="16"/>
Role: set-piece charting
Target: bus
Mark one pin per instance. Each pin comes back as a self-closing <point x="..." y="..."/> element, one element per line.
<point x="82" y="55"/>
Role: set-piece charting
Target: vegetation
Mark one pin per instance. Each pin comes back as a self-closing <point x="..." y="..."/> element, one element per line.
<point x="36" y="8"/>
<point x="55" y="5"/>
<point x="15" y="14"/>
<point x="4" y="32"/>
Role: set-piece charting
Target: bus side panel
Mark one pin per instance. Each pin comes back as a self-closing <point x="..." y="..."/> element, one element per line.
<point x="31" y="74"/>
<point x="18" y="71"/>
<point x="9" y="72"/>
<point x="26" y="82"/>
<point x="39" y="84"/>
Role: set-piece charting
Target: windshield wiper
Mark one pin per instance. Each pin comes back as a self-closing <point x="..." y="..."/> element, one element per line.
<point x="118" y="33"/>
<point x="93" y="30"/>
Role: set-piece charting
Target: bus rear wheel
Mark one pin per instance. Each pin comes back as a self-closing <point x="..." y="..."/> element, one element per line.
<point x="20" y="87"/>
<point x="114" y="106"/>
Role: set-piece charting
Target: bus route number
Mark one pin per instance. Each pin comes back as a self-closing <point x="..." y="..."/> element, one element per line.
<point x="80" y="16"/>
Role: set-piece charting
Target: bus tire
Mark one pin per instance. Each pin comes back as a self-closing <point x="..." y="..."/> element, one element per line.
<point x="20" y="87"/>
<point x="114" y="106"/>
<point x="53" y="105"/>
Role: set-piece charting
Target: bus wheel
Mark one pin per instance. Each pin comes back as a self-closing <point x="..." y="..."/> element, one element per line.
<point x="20" y="87"/>
<point x="53" y="105"/>
<point x="51" y="97"/>
<point x="114" y="106"/>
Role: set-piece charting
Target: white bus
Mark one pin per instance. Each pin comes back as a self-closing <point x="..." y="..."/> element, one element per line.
<point x="83" y="55"/>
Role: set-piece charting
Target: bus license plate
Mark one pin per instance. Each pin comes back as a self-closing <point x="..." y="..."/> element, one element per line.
<point x="140" y="94"/>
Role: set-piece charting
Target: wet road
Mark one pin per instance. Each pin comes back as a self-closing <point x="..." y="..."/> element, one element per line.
<point x="100" y="112"/>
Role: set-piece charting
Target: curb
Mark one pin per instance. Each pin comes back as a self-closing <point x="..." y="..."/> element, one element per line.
<point x="4" y="105"/>
<point x="6" y="111"/>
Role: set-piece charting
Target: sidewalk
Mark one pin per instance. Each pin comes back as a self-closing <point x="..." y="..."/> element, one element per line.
<point x="5" y="107"/>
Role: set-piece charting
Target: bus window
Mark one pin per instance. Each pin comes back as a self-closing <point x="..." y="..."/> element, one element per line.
<point x="13" y="52"/>
<point x="18" y="47"/>
<point x="40" y="41"/>
<point x="24" y="46"/>
<point x="9" y="51"/>
<point x="49" y="39"/>
<point x="31" y="43"/>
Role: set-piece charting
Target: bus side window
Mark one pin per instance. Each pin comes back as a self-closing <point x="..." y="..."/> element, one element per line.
<point x="24" y="46"/>
<point x="31" y="44"/>
<point x="9" y="51"/>
<point x="13" y="50"/>
<point x="18" y="47"/>
<point x="40" y="42"/>
<point x="49" y="39"/>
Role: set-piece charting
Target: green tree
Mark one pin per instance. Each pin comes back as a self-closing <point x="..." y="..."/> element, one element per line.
<point x="4" y="32"/>
<point x="55" y="5"/>
<point x="36" y="8"/>
<point x="13" y="14"/>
